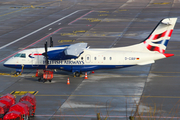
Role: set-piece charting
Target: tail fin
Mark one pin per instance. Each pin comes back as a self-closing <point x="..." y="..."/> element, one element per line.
<point x="159" y="37"/>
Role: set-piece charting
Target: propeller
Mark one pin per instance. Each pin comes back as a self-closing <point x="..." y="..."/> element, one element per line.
<point x="46" y="55"/>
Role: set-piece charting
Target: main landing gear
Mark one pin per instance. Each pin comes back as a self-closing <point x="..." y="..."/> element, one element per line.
<point x="77" y="74"/>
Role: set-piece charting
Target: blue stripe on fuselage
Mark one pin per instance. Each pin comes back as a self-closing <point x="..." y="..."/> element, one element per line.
<point x="83" y="68"/>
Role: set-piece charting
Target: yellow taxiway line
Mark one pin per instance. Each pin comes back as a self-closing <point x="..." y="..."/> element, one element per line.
<point x="127" y="96"/>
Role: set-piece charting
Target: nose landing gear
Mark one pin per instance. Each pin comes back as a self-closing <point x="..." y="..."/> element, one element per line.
<point x="19" y="71"/>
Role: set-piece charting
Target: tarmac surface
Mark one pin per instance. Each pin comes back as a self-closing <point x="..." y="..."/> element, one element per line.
<point x="149" y="91"/>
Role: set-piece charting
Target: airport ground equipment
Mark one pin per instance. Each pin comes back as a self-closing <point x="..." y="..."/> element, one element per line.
<point x="29" y="107"/>
<point x="48" y="75"/>
<point x="68" y="81"/>
<point x="3" y="110"/>
<point x="45" y="75"/>
<point x="22" y="110"/>
<point x="6" y="101"/>
<point x="9" y="96"/>
<point x="13" y="115"/>
<point x="30" y="98"/>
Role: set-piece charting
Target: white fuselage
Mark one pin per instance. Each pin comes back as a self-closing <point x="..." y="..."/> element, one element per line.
<point x="90" y="59"/>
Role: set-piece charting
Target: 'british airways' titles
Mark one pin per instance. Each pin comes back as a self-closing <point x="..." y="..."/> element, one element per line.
<point x="64" y="62"/>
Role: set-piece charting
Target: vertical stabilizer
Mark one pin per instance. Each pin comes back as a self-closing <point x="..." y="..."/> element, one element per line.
<point x="160" y="36"/>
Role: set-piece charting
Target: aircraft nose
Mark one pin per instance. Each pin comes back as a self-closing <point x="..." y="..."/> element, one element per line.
<point x="8" y="62"/>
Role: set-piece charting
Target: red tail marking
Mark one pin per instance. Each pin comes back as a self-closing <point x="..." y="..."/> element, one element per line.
<point x="167" y="33"/>
<point x="153" y="48"/>
<point x="168" y="55"/>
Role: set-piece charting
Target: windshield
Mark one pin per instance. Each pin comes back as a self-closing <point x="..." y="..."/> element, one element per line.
<point x="17" y="55"/>
<point x="22" y="55"/>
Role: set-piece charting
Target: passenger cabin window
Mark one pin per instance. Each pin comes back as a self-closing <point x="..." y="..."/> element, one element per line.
<point x="81" y="58"/>
<point x="110" y="58"/>
<point x="87" y="58"/>
<point x="95" y="58"/>
<point x="104" y="58"/>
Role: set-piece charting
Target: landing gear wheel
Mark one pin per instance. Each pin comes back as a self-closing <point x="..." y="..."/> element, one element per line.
<point x="77" y="74"/>
<point x="17" y="73"/>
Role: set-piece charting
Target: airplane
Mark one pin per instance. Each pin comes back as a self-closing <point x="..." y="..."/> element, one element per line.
<point x="78" y="57"/>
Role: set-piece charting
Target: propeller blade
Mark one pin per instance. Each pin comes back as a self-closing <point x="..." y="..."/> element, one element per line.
<point x="51" y="42"/>
<point x="46" y="56"/>
<point x="45" y="46"/>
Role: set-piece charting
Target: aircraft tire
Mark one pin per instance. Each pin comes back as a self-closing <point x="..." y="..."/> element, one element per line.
<point x="17" y="73"/>
<point x="77" y="74"/>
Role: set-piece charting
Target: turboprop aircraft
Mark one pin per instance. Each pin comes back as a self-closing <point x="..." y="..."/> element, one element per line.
<point x="78" y="58"/>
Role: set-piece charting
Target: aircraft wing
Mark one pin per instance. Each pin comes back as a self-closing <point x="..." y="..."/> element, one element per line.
<point x="75" y="49"/>
<point x="72" y="51"/>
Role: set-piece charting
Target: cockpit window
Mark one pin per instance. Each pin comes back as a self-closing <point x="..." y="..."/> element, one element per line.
<point x="22" y="55"/>
<point x="17" y="55"/>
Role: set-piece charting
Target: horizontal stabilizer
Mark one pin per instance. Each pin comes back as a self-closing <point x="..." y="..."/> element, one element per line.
<point x="75" y="49"/>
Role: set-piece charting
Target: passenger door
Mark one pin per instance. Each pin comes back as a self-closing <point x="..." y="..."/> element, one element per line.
<point x="35" y="59"/>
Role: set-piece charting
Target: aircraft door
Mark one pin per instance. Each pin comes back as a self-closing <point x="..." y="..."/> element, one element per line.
<point x="35" y="59"/>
